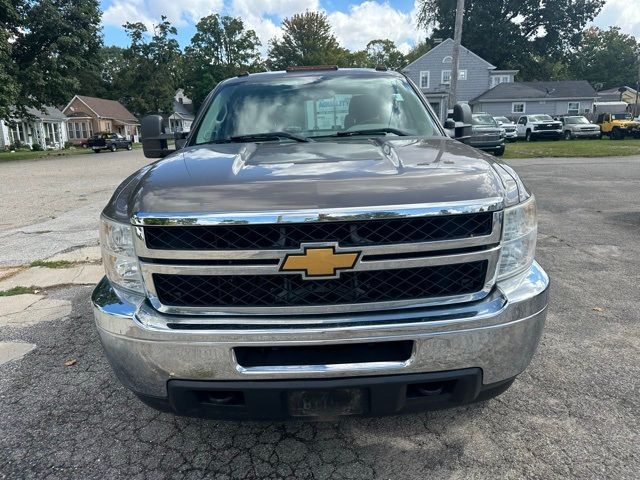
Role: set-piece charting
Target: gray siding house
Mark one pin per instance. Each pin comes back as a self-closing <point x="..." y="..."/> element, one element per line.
<point x="432" y="74"/>
<point x="571" y="97"/>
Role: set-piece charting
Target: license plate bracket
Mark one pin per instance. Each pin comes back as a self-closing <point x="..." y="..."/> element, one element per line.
<point x="326" y="403"/>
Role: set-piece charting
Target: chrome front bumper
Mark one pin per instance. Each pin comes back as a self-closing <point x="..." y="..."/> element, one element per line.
<point x="498" y="334"/>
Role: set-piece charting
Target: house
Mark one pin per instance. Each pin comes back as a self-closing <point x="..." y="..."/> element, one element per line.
<point x="182" y="117"/>
<point x="89" y="115"/>
<point x="572" y="97"/>
<point x="432" y="74"/>
<point x="46" y="128"/>
<point x="625" y="94"/>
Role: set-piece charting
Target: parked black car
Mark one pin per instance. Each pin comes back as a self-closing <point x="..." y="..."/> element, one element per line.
<point x="108" y="141"/>
<point x="487" y="134"/>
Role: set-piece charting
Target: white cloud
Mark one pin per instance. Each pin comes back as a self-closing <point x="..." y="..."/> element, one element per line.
<point x="620" y="13"/>
<point x="178" y="12"/>
<point x="370" y="20"/>
<point x="362" y="22"/>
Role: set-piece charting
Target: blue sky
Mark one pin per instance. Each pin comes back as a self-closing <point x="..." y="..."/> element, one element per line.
<point x="354" y="22"/>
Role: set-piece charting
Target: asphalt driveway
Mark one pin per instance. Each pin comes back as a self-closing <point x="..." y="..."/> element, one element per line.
<point x="575" y="413"/>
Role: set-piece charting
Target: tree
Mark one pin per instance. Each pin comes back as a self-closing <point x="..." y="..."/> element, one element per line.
<point x="306" y="40"/>
<point x="384" y="52"/>
<point x="606" y="57"/>
<point x="221" y="48"/>
<point x="47" y="48"/>
<point x="526" y="30"/>
<point x="152" y="70"/>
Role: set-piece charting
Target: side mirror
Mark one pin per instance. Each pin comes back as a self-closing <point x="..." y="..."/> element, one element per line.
<point x="155" y="140"/>
<point x="463" y="123"/>
<point x="449" y="124"/>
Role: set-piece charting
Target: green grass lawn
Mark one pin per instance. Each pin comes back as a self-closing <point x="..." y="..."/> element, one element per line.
<point x="573" y="148"/>
<point x="32" y="155"/>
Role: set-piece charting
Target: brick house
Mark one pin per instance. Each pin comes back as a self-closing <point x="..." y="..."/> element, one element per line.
<point x="89" y="115"/>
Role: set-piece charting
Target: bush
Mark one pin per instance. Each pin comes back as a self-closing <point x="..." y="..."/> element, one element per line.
<point x="17" y="145"/>
<point x="68" y="145"/>
<point x="36" y="147"/>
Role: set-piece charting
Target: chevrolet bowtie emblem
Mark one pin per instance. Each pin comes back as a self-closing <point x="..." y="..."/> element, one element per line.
<point x="319" y="262"/>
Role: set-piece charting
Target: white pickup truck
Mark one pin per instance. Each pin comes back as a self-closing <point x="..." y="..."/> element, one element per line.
<point x="533" y="127"/>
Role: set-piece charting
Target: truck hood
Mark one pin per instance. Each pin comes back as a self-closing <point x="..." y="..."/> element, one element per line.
<point x="254" y="177"/>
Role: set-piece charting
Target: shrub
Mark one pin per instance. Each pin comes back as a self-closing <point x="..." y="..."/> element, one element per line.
<point x="36" y="147"/>
<point x="68" y="145"/>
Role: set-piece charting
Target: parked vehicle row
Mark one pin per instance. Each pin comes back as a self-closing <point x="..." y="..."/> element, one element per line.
<point x="616" y="126"/>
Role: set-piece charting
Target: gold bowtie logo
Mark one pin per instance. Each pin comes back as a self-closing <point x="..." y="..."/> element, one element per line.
<point x="318" y="262"/>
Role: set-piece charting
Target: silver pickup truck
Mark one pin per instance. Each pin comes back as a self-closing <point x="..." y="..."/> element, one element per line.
<point x="317" y="247"/>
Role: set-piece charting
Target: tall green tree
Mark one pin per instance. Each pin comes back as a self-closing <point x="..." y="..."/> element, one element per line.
<point x="607" y="57"/>
<point x="152" y="68"/>
<point x="384" y="52"/>
<point x="221" y="48"/>
<point x="46" y="49"/>
<point x="525" y="31"/>
<point x="307" y="39"/>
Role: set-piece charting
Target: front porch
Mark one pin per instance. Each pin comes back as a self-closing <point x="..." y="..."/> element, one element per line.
<point x="44" y="134"/>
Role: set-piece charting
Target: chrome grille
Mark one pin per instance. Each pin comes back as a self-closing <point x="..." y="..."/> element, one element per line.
<point x="346" y="234"/>
<point x="289" y="290"/>
<point x="231" y="264"/>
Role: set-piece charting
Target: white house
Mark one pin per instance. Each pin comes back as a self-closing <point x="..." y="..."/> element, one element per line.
<point x="47" y="128"/>
<point x="182" y="117"/>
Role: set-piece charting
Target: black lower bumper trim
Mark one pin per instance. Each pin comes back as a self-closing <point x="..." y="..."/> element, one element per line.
<point x="316" y="399"/>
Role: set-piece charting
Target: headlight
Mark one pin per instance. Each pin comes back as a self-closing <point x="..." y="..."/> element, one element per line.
<point x="118" y="255"/>
<point x="519" y="234"/>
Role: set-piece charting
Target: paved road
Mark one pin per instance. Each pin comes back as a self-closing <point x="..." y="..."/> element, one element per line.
<point x="573" y="414"/>
<point x="52" y="204"/>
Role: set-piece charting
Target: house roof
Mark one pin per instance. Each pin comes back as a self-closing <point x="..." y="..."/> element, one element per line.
<point x="445" y="44"/>
<point x="538" y="90"/>
<point x="185" y="110"/>
<point x="616" y="91"/>
<point x="107" y="108"/>
<point x="47" y="113"/>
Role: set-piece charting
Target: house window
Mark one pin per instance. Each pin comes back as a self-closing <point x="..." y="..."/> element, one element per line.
<point x="84" y="130"/>
<point x="424" y="79"/>
<point x="445" y="76"/>
<point x="447" y="59"/>
<point x="573" y="108"/>
<point x="70" y="131"/>
<point x="78" y="130"/>
<point x="497" y="79"/>
<point x="518" y="107"/>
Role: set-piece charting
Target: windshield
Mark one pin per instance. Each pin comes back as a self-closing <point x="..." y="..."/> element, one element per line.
<point x="576" y="120"/>
<point x="621" y="116"/>
<point x="486" y="120"/>
<point x="541" y="118"/>
<point x="503" y="119"/>
<point x="315" y="106"/>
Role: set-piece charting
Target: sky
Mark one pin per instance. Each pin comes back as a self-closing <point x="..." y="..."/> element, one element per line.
<point x="354" y="22"/>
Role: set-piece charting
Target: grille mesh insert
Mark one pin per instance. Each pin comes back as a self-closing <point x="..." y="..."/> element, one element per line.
<point x="346" y="233"/>
<point x="291" y="290"/>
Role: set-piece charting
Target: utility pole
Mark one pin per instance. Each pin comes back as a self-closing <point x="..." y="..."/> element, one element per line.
<point x="457" y="38"/>
<point x="636" y="107"/>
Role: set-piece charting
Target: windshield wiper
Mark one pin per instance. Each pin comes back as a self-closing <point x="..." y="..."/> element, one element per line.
<point x="256" y="137"/>
<point x="371" y="131"/>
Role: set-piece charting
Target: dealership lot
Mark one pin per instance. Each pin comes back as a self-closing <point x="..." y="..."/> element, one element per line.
<point x="573" y="413"/>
